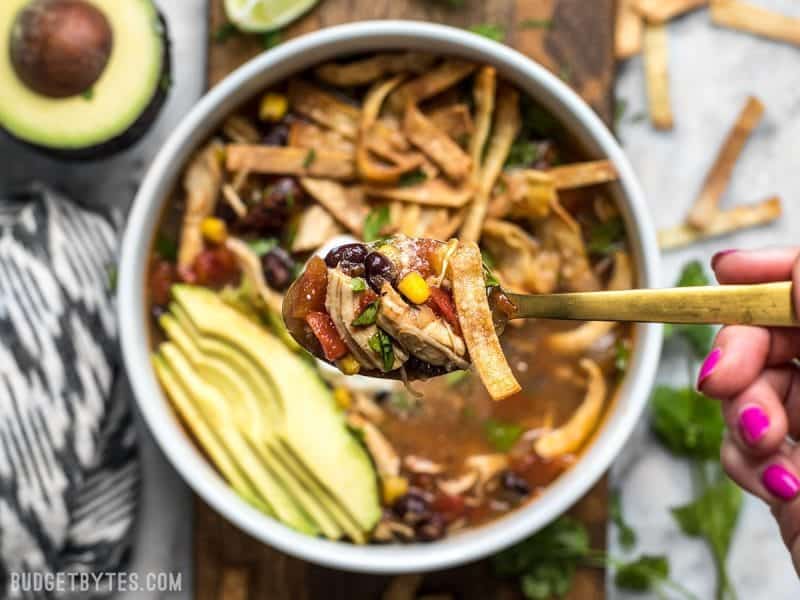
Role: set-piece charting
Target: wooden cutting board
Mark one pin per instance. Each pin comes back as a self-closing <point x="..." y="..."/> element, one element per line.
<point x="230" y="565"/>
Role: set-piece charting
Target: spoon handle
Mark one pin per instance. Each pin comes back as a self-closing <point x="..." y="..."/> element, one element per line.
<point x="767" y="304"/>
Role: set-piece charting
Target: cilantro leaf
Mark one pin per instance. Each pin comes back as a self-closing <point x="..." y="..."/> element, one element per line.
<point x="627" y="536"/>
<point x="412" y="178"/>
<point x="537" y="122"/>
<point x="606" y="237"/>
<point x="693" y="275"/>
<point x="522" y="153"/>
<point x="272" y="39"/>
<point x="502" y="436"/>
<point x="643" y="574"/>
<point x="536" y="24"/>
<point x="165" y="247"/>
<point x="547" y="580"/>
<point x="262" y="246"/>
<point x="310" y="158"/>
<point x="455" y="378"/>
<point x="490" y="30"/>
<point x="357" y="284"/>
<point x="368" y="317"/>
<point x="224" y="32"/>
<point x="376" y="220"/>
<point x="687" y="422"/>
<point x="565" y="539"/>
<point x="622" y="356"/>
<point x="381" y="344"/>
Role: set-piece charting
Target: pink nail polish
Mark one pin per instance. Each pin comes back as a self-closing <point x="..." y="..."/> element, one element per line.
<point x="708" y="365"/>
<point x="780" y="482"/>
<point x="719" y="255"/>
<point x="753" y="424"/>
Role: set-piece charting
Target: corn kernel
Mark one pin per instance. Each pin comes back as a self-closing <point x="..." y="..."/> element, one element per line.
<point x="273" y="107"/>
<point x="414" y="287"/>
<point x="348" y="365"/>
<point x="390" y="252"/>
<point x="394" y="486"/>
<point x="214" y="230"/>
<point x="341" y="396"/>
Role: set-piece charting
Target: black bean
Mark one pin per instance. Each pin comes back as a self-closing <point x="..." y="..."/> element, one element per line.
<point x="352" y="269"/>
<point x="351" y="253"/>
<point x="379" y="270"/>
<point x="431" y="529"/>
<point x="278" y="135"/>
<point x="419" y="369"/>
<point x="412" y="507"/>
<point x="514" y="483"/>
<point x="283" y="191"/>
<point x="278" y="268"/>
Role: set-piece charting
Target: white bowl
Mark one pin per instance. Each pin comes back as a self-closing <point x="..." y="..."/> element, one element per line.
<point x="245" y="83"/>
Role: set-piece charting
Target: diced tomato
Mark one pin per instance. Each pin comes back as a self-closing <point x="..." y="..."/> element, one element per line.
<point x="215" y="267"/>
<point x="366" y="298"/>
<point x="325" y="331"/>
<point x="441" y="302"/>
<point x="162" y="275"/>
<point x="450" y="507"/>
<point x="499" y="300"/>
<point x="308" y="293"/>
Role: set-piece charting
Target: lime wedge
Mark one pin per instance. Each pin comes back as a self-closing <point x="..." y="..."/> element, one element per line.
<point x="265" y="15"/>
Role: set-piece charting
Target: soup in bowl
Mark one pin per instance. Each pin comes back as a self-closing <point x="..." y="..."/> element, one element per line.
<point x="343" y="195"/>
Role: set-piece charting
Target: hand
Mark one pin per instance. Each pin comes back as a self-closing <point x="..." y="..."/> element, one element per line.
<point x="752" y="371"/>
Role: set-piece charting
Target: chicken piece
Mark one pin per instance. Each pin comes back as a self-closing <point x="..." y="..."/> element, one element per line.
<point x="420" y="332"/>
<point x="341" y="303"/>
<point x="521" y="263"/>
<point x="201" y="183"/>
<point x="576" y="272"/>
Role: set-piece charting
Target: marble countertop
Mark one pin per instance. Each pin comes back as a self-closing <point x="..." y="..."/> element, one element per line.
<point x="712" y="73"/>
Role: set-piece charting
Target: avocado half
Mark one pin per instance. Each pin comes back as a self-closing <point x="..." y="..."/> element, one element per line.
<point x="82" y="79"/>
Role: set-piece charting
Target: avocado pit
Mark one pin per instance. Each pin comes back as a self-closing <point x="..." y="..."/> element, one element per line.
<point x="60" y="48"/>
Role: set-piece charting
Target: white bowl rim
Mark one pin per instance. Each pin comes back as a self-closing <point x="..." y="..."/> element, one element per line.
<point x="180" y="450"/>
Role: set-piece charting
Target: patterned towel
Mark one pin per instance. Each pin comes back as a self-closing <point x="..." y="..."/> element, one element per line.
<point x="69" y="475"/>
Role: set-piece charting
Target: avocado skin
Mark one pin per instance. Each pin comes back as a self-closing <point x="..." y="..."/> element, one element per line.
<point x="130" y="136"/>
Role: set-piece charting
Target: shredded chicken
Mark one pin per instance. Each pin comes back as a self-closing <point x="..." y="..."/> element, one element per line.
<point x="201" y="184"/>
<point x="487" y="466"/>
<point x="424" y="466"/>
<point x="520" y="262"/>
<point x="250" y="266"/>
<point x="576" y="272"/>
<point x="383" y="454"/>
<point x="458" y="485"/>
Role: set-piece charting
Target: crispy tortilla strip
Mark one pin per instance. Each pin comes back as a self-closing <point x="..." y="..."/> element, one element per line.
<point x="433" y="192"/>
<point x="661" y="11"/>
<point x="433" y="82"/>
<point x="656" y="65"/>
<point x="483" y="92"/>
<point x="240" y="130"/>
<point x="368" y="168"/>
<point x="324" y="108"/>
<point x="303" y="134"/>
<point x="250" y="265"/>
<point x="455" y="119"/>
<point x="719" y="176"/>
<point x="571" y="436"/>
<point x="233" y="200"/>
<point x="629" y="29"/>
<point x="283" y="160"/>
<point x="404" y="217"/>
<point x="447" y="227"/>
<point x="367" y="70"/>
<point x="315" y="227"/>
<point x="201" y="183"/>
<point x="521" y="264"/>
<point x="756" y="20"/>
<point x="529" y="194"/>
<point x="507" y="124"/>
<point x="723" y="222"/>
<point x="435" y="143"/>
<point x="583" y="174"/>
<point x="346" y="204"/>
<point x="475" y="318"/>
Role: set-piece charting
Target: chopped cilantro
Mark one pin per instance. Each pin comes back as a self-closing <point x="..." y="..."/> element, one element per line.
<point x="262" y="245"/>
<point x="523" y="153"/>
<point x="606" y="237"/>
<point x="627" y="536"/>
<point x="412" y="178"/>
<point x="455" y="378"/>
<point x="490" y="30"/>
<point x="502" y="436"/>
<point x="88" y="94"/>
<point x="165" y="247"/>
<point x="381" y="344"/>
<point x="272" y="39"/>
<point x="687" y="422"/>
<point x="643" y="574"/>
<point x="224" y="32"/>
<point x="357" y="284"/>
<point x="368" y="316"/>
<point x="376" y="220"/>
<point x="310" y="158"/>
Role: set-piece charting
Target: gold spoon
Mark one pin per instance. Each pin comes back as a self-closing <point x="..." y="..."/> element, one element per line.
<point x="766" y="304"/>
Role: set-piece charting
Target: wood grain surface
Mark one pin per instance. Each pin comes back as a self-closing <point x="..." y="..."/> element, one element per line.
<point x="578" y="46"/>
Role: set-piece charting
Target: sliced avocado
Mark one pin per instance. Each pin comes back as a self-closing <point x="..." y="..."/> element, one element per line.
<point x="205" y="435"/>
<point x="178" y="324"/>
<point x="315" y="430"/>
<point x="213" y="409"/>
<point x="81" y="78"/>
<point x="250" y="420"/>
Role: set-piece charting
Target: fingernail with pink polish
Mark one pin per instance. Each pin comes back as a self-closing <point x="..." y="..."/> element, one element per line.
<point x="753" y="424"/>
<point x="708" y="365"/>
<point x="780" y="482"/>
<point x="719" y="255"/>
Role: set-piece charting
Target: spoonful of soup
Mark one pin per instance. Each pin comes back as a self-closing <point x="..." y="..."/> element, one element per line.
<point x="410" y="308"/>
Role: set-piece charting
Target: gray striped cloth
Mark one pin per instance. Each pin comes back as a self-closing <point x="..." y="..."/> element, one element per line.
<point x="69" y="474"/>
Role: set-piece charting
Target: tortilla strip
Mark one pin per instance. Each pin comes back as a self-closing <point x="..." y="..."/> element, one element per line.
<point x="283" y="160"/>
<point x="507" y="123"/>
<point x="455" y="119"/>
<point x="346" y="204"/>
<point x="483" y="93"/>
<point x="435" y="143"/>
<point x="529" y="194"/>
<point x="661" y="11"/>
<point x="315" y="227"/>
<point x="303" y="134"/>
<point x="435" y="223"/>
<point x="756" y="20"/>
<point x="240" y="130"/>
<point x="250" y="265"/>
<point x="723" y="222"/>
<point x="201" y="183"/>
<point x="475" y="318"/>
<point x="628" y="32"/>
<point x="367" y="167"/>
<point x="324" y="108"/>
<point x="405" y="217"/>
<point x="656" y="63"/>
<point x="522" y="265"/>
<point x="583" y="174"/>
<point x="719" y="176"/>
<point x="438" y="79"/>
<point x="433" y="192"/>
<point x="367" y="70"/>
<point x="233" y="200"/>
